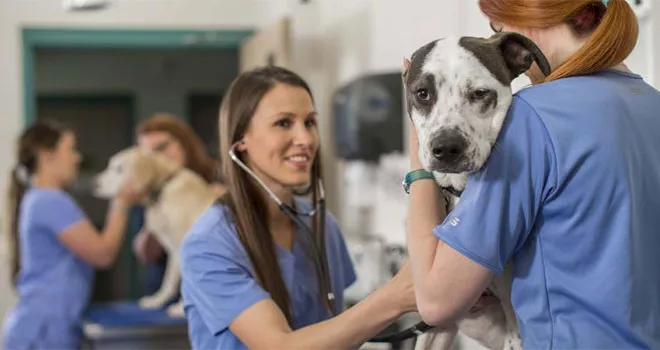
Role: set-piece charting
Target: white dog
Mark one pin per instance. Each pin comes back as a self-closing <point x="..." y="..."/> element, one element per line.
<point x="176" y="197"/>
<point x="458" y="92"/>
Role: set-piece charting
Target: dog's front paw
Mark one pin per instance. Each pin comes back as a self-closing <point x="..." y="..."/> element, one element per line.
<point x="152" y="302"/>
<point x="176" y="310"/>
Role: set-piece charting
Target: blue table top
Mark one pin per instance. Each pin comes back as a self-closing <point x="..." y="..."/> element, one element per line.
<point x="129" y="314"/>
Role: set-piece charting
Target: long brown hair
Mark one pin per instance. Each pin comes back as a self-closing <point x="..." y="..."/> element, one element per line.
<point x="244" y="198"/>
<point x="197" y="159"/>
<point x="614" y="29"/>
<point x="38" y="137"/>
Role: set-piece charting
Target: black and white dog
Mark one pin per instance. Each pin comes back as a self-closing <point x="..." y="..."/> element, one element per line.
<point x="458" y="92"/>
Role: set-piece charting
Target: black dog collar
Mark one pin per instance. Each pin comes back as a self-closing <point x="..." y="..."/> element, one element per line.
<point x="453" y="191"/>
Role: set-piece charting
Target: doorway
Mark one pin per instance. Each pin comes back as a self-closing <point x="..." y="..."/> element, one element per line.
<point x="203" y="118"/>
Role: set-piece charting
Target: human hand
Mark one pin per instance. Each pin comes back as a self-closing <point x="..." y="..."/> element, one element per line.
<point x="403" y="289"/>
<point x="129" y="195"/>
<point x="486" y="300"/>
<point x="146" y="247"/>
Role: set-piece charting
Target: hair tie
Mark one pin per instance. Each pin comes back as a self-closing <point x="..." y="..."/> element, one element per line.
<point x="605" y="2"/>
<point x="22" y="174"/>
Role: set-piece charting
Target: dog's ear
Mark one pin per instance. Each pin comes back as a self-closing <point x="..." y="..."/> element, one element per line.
<point x="406" y="66"/>
<point x="519" y="52"/>
<point x="506" y="55"/>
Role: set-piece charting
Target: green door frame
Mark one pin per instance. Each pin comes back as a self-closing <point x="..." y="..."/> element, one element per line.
<point x="97" y="38"/>
<point x="107" y="38"/>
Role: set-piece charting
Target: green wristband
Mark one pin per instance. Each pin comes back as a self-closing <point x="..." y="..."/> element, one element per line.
<point x="413" y="176"/>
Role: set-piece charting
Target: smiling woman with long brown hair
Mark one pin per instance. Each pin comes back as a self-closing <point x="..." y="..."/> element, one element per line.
<point x="251" y="276"/>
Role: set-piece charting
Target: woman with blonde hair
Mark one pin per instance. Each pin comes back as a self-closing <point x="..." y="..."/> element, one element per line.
<point x="569" y="194"/>
<point x="174" y="138"/>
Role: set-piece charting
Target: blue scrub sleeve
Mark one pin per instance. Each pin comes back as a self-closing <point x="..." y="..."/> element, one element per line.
<point x="56" y="211"/>
<point x="497" y="210"/>
<point x="218" y="285"/>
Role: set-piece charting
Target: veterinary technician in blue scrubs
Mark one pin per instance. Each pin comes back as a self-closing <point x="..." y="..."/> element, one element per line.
<point x="176" y="140"/>
<point x="570" y="192"/>
<point x="249" y="271"/>
<point x="55" y="247"/>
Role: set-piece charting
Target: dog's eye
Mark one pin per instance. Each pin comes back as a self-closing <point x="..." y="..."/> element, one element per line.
<point x="423" y="94"/>
<point x="479" y="94"/>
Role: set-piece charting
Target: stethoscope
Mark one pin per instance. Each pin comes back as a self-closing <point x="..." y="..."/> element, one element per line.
<point x="293" y="214"/>
<point x="319" y="246"/>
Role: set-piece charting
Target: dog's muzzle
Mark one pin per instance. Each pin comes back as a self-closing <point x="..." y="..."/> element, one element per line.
<point x="97" y="188"/>
<point x="448" y="149"/>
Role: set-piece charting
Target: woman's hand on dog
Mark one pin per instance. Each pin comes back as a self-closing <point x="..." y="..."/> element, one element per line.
<point x="147" y="248"/>
<point x="130" y="195"/>
<point x="485" y="301"/>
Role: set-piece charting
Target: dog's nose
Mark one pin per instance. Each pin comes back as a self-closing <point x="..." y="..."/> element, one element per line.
<point x="448" y="147"/>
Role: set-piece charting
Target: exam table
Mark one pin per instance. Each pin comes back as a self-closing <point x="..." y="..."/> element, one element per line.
<point x="124" y="325"/>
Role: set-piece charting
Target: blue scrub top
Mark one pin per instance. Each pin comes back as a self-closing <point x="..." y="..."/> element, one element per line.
<point x="53" y="284"/>
<point x="218" y="283"/>
<point x="571" y="193"/>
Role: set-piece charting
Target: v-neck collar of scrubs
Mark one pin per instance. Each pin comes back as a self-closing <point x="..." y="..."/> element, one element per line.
<point x="299" y="277"/>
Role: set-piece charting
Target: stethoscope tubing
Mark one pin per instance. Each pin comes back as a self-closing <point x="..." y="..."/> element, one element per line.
<point x="293" y="214"/>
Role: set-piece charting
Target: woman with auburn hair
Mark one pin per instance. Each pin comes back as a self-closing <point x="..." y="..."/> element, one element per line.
<point x="174" y="138"/>
<point x="569" y="194"/>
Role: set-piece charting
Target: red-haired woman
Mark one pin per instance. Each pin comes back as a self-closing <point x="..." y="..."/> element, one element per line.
<point x="175" y="139"/>
<point x="570" y="192"/>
